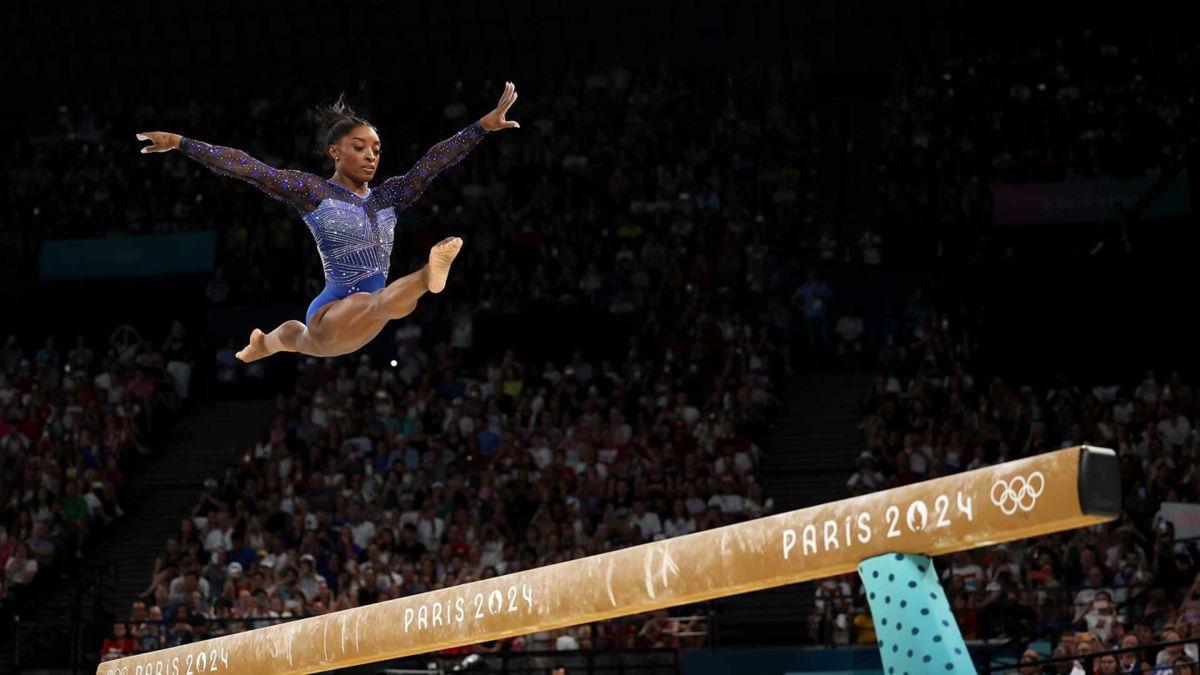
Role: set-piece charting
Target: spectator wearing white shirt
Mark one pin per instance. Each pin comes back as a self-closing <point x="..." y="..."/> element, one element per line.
<point x="753" y="504"/>
<point x="647" y="521"/>
<point x="93" y="501"/>
<point x="741" y="460"/>
<point x="694" y="503"/>
<point x="680" y="522"/>
<point x="309" y="582"/>
<point x="104" y="379"/>
<point x="1094" y="584"/>
<point x="182" y="586"/>
<point x="1149" y="390"/>
<point x="363" y="531"/>
<point x="565" y="642"/>
<point x="1100" y="615"/>
<point x="20" y="569"/>
<point x="430" y="528"/>
<point x="540" y="452"/>
<point x="1174" y="428"/>
<point x="1123" y="410"/>
<point x="919" y="456"/>
<point x="220" y="534"/>
<point x="971" y="573"/>
<point x="866" y="478"/>
<point x="727" y="499"/>
<point x="409" y="515"/>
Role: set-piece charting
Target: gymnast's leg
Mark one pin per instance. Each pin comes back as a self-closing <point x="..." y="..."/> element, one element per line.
<point x="290" y="336"/>
<point x="345" y="325"/>
<point x="400" y="297"/>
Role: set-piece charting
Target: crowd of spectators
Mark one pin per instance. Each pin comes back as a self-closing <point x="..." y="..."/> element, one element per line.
<point x="1085" y="104"/>
<point x="931" y="412"/>
<point x="71" y="422"/>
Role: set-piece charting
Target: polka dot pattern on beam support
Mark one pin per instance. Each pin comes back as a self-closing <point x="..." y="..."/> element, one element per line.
<point x="916" y="628"/>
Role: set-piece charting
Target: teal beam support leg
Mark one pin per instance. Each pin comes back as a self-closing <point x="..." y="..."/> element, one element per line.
<point x="913" y="621"/>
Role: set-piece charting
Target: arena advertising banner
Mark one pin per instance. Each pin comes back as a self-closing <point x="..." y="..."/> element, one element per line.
<point x="1092" y="201"/>
<point x="1185" y="518"/>
<point x="132" y="256"/>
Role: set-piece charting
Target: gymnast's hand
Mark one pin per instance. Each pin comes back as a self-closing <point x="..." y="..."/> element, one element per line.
<point x="495" y="119"/>
<point x="161" y="141"/>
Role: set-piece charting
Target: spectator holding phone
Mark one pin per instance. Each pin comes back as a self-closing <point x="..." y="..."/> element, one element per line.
<point x="1100" y="615"/>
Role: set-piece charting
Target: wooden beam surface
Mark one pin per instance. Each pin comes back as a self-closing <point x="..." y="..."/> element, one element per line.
<point x="1015" y="500"/>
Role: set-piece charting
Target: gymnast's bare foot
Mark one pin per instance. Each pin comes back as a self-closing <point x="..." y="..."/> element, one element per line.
<point x="257" y="349"/>
<point x="440" y="257"/>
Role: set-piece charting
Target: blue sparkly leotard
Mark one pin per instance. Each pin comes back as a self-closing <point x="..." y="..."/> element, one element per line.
<point x="354" y="234"/>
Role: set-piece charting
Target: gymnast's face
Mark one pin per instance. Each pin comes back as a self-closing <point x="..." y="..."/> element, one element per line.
<point x="356" y="155"/>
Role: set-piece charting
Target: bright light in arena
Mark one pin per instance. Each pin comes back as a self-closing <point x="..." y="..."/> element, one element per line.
<point x="393" y="363"/>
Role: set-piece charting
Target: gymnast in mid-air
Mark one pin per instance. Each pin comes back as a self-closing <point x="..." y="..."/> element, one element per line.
<point x="352" y="224"/>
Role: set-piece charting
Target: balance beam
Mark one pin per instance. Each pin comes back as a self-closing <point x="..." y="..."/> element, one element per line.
<point x="1060" y="490"/>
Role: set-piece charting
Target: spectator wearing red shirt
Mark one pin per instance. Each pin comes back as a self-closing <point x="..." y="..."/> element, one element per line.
<point x="118" y="645"/>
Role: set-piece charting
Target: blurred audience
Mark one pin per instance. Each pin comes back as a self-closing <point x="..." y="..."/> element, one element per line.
<point x="70" y="425"/>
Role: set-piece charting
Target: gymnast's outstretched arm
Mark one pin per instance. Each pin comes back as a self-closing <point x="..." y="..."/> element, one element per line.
<point x="401" y="191"/>
<point x="298" y="188"/>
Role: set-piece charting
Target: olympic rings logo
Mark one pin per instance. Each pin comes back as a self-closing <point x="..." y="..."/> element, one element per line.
<point x="1019" y="493"/>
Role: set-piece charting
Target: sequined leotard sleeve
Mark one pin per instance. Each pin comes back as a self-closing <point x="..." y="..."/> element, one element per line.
<point x="297" y="188"/>
<point x="401" y="191"/>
